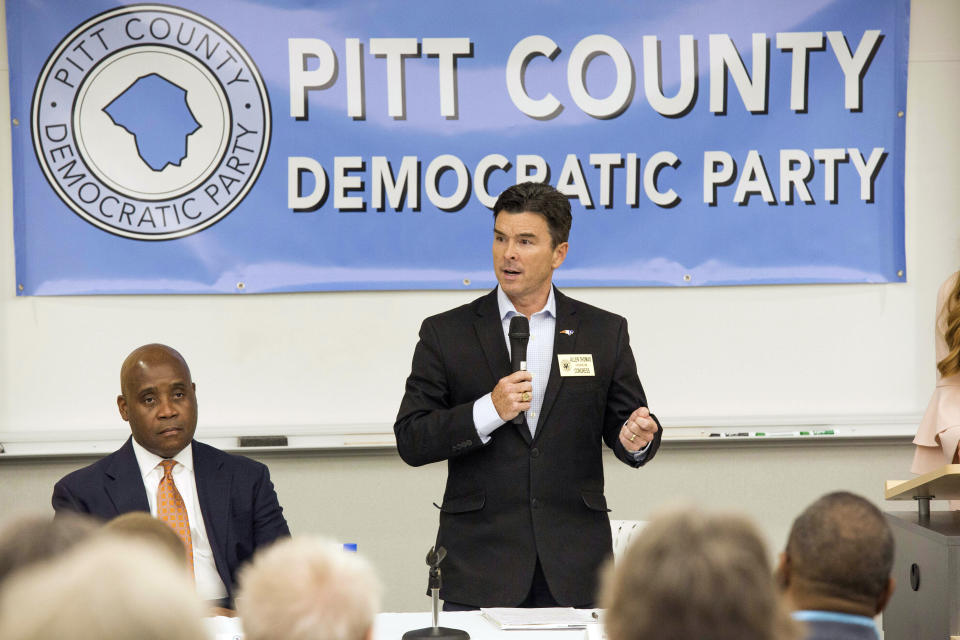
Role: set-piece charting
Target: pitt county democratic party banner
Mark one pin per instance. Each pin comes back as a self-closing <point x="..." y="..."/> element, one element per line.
<point x="233" y="146"/>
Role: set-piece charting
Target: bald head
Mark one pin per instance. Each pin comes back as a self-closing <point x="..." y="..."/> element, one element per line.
<point x="158" y="399"/>
<point x="145" y="356"/>
<point x="841" y="548"/>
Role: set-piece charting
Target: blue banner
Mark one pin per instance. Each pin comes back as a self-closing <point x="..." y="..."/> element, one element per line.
<point x="294" y="146"/>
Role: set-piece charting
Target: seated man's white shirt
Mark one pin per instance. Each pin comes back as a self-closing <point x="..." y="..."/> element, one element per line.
<point x="209" y="584"/>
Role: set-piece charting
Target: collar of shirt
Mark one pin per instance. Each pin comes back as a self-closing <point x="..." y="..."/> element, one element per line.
<point x="148" y="461"/>
<point x="833" y="616"/>
<point x="507" y="310"/>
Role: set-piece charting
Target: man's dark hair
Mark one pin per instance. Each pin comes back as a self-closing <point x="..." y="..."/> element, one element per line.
<point x="842" y="544"/>
<point x="542" y="199"/>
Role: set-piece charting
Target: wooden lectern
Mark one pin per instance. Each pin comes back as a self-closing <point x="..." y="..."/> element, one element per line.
<point x="926" y="565"/>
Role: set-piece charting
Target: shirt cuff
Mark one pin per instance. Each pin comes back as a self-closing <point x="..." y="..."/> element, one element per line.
<point x="485" y="418"/>
<point x="639" y="456"/>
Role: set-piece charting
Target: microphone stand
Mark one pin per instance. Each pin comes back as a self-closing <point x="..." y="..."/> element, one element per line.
<point x="436" y="632"/>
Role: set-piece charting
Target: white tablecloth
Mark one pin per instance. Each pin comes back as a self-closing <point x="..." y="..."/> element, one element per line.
<point x="392" y="626"/>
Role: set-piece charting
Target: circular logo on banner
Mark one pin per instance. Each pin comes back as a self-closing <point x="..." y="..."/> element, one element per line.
<point x="151" y="122"/>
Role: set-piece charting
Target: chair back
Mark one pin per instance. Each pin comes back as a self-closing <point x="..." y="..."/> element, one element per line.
<point x="623" y="532"/>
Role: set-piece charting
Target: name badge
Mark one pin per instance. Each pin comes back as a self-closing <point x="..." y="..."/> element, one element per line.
<point x="576" y="364"/>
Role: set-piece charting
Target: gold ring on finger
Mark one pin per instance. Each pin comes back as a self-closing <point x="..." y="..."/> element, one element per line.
<point x="525" y="396"/>
<point x="633" y="437"/>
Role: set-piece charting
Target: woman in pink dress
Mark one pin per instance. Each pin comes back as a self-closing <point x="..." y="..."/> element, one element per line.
<point x="939" y="431"/>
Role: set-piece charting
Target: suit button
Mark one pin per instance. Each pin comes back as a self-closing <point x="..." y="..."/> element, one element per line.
<point x="534" y="453"/>
<point x="535" y="503"/>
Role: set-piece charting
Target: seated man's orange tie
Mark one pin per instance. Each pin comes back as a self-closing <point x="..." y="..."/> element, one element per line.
<point x="172" y="510"/>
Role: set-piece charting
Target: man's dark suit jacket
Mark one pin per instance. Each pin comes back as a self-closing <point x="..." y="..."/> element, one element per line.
<point x="240" y="507"/>
<point x="517" y="497"/>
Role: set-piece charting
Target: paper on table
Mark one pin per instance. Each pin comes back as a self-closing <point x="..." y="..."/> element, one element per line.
<point x="223" y="628"/>
<point x="540" y="618"/>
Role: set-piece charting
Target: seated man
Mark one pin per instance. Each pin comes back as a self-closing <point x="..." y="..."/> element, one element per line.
<point x="222" y="506"/>
<point x="690" y="575"/>
<point x="836" y="568"/>
<point x="308" y="589"/>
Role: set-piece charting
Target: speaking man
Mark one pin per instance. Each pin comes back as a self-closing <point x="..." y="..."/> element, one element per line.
<point x="222" y="506"/>
<point x="524" y="519"/>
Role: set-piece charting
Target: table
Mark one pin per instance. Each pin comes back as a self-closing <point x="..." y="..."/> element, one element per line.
<point x="392" y="626"/>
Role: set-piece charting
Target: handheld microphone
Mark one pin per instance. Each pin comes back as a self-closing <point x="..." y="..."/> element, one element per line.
<point x="519" y="333"/>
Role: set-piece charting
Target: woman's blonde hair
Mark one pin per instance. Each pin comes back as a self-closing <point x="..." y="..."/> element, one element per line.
<point x="951" y="311"/>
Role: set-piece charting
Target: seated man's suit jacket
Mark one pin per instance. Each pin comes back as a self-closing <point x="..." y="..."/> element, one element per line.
<point x="240" y="507"/>
<point x="517" y="497"/>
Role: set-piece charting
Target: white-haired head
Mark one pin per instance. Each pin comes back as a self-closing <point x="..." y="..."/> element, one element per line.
<point x="308" y="588"/>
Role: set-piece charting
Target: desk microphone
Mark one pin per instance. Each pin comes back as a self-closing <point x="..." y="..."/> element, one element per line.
<point x="519" y="336"/>
<point x="436" y="632"/>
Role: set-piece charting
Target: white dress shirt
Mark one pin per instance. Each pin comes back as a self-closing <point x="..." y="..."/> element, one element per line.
<point x="543" y="325"/>
<point x="209" y="584"/>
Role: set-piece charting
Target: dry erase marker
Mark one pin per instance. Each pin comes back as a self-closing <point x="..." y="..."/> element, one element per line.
<point x="782" y="434"/>
<point x="742" y="434"/>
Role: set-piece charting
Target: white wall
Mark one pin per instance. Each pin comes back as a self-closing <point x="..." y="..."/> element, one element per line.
<point x="341" y="358"/>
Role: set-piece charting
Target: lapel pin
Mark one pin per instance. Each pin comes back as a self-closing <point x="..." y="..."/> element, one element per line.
<point x="568" y="332"/>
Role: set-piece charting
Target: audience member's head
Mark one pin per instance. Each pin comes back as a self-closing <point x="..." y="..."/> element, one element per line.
<point x="838" y="557"/>
<point x="694" y="575"/>
<point x="31" y="539"/>
<point x="308" y="588"/>
<point x="108" y="588"/>
<point x="140" y="525"/>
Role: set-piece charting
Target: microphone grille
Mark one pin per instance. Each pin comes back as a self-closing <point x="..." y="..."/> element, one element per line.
<point x="519" y="327"/>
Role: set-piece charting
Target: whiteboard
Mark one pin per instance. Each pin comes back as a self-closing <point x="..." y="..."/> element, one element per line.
<point x="336" y="363"/>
